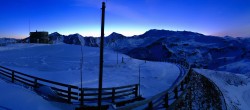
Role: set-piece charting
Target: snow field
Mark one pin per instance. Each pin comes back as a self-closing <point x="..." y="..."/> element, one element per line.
<point x="61" y="63"/>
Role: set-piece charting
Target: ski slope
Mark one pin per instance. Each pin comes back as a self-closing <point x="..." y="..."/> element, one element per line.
<point x="61" y="63"/>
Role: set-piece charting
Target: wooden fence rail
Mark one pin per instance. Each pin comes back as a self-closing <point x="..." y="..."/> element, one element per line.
<point x="90" y="94"/>
<point x="168" y="97"/>
<point x="174" y="97"/>
<point x="70" y="93"/>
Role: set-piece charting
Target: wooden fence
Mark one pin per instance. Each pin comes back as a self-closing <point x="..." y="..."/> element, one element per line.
<point x="70" y="93"/>
<point x="174" y="97"/>
<point x="169" y="97"/>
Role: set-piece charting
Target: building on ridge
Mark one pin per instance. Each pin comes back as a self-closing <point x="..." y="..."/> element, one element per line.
<point x="39" y="37"/>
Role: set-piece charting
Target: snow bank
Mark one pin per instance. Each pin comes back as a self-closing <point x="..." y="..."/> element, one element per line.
<point x="14" y="97"/>
<point x="235" y="88"/>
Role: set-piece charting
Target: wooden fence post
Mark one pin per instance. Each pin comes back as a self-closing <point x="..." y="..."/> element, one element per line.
<point x="185" y="80"/>
<point x="122" y="60"/>
<point x="150" y="105"/>
<point x="166" y="101"/>
<point x="13" y="76"/>
<point x="35" y="83"/>
<point x="176" y="92"/>
<point x="82" y="97"/>
<point x="182" y="86"/>
<point x="190" y="98"/>
<point x="113" y="95"/>
<point x="69" y="94"/>
<point x="136" y="90"/>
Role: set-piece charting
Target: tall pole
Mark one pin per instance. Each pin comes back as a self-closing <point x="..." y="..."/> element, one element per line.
<point x="116" y="46"/>
<point x="101" y="58"/>
<point x="81" y="65"/>
<point x="116" y="49"/>
<point x="139" y="80"/>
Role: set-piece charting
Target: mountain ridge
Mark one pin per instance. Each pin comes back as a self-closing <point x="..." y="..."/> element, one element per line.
<point x="202" y="51"/>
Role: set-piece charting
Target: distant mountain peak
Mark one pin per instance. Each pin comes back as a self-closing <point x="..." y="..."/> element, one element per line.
<point x="168" y="33"/>
<point x="155" y="31"/>
<point x="76" y="35"/>
<point x="115" y="35"/>
<point x="55" y="34"/>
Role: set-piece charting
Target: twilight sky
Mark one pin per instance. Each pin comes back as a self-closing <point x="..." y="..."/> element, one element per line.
<point x="128" y="17"/>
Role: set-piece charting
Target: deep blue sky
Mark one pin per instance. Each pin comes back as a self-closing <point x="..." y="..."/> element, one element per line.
<point x="128" y="17"/>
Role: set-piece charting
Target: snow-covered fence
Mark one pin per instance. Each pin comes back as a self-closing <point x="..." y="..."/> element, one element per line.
<point x="110" y="94"/>
<point x="168" y="98"/>
<point x="181" y="94"/>
<point x="67" y="93"/>
<point x="178" y="96"/>
<point x="70" y="93"/>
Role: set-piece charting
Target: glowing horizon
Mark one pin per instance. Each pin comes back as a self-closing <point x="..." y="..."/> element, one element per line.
<point x="209" y="17"/>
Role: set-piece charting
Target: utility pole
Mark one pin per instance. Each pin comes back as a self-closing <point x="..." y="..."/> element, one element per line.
<point x="101" y="58"/>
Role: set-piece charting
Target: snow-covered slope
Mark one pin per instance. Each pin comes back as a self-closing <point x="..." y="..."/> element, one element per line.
<point x="235" y="88"/>
<point x="61" y="63"/>
<point x="15" y="97"/>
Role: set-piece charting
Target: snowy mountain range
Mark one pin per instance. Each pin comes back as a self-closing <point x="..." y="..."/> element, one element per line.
<point x="3" y="41"/>
<point x="212" y="52"/>
<point x="202" y="51"/>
